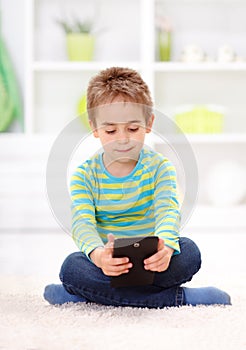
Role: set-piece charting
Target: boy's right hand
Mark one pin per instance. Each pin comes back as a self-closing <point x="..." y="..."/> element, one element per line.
<point x="103" y="258"/>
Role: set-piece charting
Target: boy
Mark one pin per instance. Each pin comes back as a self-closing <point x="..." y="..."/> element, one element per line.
<point x="126" y="190"/>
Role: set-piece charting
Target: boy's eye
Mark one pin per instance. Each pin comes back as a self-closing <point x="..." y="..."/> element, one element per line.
<point x="133" y="129"/>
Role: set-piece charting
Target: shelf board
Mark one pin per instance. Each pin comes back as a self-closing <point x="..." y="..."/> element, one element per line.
<point x="157" y="66"/>
<point x="40" y="66"/>
<point x="199" y="67"/>
<point x="209" y="138"/>
<point x="217" y="138"/>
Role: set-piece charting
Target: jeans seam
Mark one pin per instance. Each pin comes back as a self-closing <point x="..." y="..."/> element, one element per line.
<point x="179" y="299"/>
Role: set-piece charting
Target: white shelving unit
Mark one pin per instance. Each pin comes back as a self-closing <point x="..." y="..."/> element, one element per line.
<point x="53" y="85"/>
<point x="47" y="65"/>
<point x="199" y="67"/>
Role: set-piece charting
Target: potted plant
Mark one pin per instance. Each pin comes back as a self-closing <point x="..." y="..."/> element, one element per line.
<point x="164" y="36"/>
<point x="79" y="40"/>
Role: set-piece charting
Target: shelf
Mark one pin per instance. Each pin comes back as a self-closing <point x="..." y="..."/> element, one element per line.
<point x="48" y="104"/>
<point x="81" y="66"/>
<point x="209" y="138"/>
<point x="21" y="145"/>
<point x="205" y="2"/>
<point x="157" y="67"/>
<point x="221" y="139"/>
<point x="199" y="67"/>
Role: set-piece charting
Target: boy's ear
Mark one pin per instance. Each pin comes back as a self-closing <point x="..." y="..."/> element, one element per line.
<point x="150" y="123"/>
<point x="94" y="129"/>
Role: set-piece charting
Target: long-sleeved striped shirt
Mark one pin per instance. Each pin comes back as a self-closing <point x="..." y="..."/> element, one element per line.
<point x="140" y="204"/>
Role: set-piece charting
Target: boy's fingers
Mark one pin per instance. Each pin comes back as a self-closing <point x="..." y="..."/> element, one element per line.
<point x="111" y="240"/>
<point x="160" y="244"/>
<point x="156" y="257"/>
<point x="110" y="243"/>
<point x="155" y="263"/>
<point x="120" y="261"/>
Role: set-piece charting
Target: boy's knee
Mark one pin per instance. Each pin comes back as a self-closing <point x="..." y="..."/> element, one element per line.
<point x="69" y="265"/>
<point x="191" y="253"/>
<point x="71" y="259"/>
<point x="189" y="247"/>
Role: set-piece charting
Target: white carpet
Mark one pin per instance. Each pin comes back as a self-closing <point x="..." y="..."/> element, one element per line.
<point x="27" y="322"/>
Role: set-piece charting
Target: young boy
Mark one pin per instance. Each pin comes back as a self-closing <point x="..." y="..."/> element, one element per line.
<point x="126" y="190"/>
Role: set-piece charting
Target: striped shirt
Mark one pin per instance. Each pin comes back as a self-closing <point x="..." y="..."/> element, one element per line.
<point x="142" y="203"/>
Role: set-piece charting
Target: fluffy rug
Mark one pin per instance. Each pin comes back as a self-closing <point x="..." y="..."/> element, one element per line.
<point x="27" y="322"/>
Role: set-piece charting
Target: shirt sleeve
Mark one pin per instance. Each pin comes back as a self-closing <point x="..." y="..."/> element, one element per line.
<point x="84" y="231"/>
<point x="167" y="213"/>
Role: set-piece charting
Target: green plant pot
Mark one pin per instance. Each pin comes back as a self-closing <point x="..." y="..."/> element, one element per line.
<point x="164" y="45"/>
<point x="80" y="46"/>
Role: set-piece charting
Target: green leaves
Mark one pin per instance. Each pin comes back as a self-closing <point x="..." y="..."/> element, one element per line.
<point x="77" y="26"/>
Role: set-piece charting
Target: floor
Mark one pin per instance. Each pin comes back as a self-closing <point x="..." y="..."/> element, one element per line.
<point x="28" y="322"/>
<point x="29" y="261"/>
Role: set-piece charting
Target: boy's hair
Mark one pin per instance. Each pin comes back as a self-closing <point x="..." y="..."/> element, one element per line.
<point x="115" y="82"/>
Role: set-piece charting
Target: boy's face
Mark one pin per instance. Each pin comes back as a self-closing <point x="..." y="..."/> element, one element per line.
<point x="121" y="127"/>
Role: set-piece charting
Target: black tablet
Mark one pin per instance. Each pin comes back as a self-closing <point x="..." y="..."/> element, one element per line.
<point x="137" y="249"/>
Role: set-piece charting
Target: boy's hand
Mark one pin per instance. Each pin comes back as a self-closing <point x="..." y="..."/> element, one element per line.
<point x="103" y="258"/>
<point x="159" y="261"/>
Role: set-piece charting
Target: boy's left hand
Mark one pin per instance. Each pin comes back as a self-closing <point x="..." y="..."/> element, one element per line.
<point x="159" y="262"/>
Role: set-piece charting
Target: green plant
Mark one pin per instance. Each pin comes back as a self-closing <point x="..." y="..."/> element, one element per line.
<point x="77" y="26"/>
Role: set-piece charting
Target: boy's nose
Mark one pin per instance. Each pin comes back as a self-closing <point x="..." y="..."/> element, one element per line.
<point x="123" y="137"/>
<point x="123" y="140"/>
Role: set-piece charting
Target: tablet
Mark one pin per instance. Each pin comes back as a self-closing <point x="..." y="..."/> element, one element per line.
<point x="137" y="249"/>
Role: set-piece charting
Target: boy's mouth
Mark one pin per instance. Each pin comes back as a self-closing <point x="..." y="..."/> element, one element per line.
<point x="124" y="150"/>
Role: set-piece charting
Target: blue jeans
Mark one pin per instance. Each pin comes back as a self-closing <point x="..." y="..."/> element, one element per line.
<point x="81" y="277"/>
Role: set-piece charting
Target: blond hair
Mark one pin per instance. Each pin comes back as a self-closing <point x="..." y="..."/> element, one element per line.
<point x="115" y="82"/>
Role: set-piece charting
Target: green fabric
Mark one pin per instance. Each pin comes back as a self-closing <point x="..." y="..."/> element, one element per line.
<point x="10" y="100"/>
<point x="6" y="107"/>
